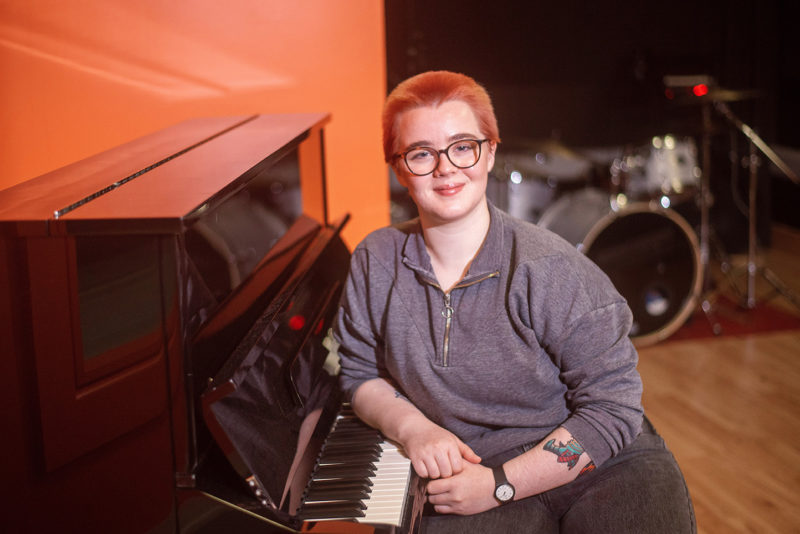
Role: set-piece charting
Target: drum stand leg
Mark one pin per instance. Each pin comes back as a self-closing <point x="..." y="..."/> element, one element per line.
<point x="752" y="268"/>
<point x="707" y="293"/>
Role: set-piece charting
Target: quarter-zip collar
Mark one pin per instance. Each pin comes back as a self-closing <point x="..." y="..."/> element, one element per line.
<point x="487" y="262"/>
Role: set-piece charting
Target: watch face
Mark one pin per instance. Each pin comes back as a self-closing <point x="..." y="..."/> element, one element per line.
<point x="504" y="492"/>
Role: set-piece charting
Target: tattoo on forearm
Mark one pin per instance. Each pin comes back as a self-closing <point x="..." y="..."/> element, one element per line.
<point x="399" y="395"/>
<point x="587" y="468"/>
<point x="568" y="453"/>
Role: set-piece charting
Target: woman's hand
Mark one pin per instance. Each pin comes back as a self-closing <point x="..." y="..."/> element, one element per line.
<point x="435" y="452"/>
<point x="469" y="492"/>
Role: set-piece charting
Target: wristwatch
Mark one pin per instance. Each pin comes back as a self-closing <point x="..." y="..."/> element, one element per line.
<point x="503" y="491"/>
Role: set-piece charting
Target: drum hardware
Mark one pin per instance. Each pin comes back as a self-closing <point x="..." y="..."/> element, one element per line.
<point x="705" y="201"/>
<point x="702" y="90"/>
<point x="752" y="163"/>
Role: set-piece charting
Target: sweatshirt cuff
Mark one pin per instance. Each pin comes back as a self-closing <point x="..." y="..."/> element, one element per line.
<point x="590" y="439"/>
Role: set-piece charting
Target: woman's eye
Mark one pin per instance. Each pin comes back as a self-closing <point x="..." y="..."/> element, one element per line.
<point x="417" y="155"/>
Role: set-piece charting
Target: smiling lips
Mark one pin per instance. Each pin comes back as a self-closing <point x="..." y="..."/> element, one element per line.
<point x="448" y="189"/>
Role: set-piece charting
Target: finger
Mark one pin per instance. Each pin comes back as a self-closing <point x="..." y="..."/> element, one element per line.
<point x="435" y="487"/>
<point x="468" y="454"/>
<point x="443" y="508"/>
<point x="432" y="468"/>
<point x="419" y="467"/>
<point x="444" y="463"/>
<point x="455" y="461"/>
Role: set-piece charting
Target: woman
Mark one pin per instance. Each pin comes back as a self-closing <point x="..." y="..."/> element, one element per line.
<point x="496" y="354"/>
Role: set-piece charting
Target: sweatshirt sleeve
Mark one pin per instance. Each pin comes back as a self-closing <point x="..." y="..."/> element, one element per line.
<point x="360" y="349"/>
<point x="583" y="323"/>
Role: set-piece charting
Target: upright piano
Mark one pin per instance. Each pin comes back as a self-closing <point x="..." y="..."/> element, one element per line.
<point x="165" y="348"/>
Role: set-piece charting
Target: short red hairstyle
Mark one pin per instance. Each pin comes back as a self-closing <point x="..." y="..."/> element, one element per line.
<point x="433" y="88"/>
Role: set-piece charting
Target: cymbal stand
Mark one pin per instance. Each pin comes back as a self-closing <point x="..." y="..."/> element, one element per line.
<point x="757" y="144"/>
<point x="705" y="225"/>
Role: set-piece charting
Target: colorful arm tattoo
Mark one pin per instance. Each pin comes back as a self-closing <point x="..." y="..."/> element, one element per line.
<point x="587" y="468"/>
<point x="568" y="453"/>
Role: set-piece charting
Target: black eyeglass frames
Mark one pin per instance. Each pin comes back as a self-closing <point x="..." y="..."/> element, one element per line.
<point x="423" y="160"/>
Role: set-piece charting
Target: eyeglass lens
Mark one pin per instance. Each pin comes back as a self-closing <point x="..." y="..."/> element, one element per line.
<point x="463" y="154"/>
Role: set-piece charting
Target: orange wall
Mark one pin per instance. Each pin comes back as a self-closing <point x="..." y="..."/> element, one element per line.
<point x="77" y="78"/>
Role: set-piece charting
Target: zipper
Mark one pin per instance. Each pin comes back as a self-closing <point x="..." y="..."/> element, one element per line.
<point x="448" y="312"/>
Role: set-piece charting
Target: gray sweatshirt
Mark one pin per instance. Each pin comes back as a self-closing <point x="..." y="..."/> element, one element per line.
<point x="534" y="337"/>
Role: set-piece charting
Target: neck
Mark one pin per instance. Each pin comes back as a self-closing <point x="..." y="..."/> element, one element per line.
<point x="453" y="245"/>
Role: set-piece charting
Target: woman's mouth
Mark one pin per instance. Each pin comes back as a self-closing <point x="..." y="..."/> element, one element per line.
<point x="448" y="189"/>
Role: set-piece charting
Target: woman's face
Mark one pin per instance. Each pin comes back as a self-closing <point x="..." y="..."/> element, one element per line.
<point x="449" y="193"/>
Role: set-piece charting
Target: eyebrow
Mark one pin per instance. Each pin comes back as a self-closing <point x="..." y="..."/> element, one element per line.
<point x="450" y="140"/>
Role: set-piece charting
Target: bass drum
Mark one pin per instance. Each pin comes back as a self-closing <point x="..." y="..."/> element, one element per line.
<point x="651" y="255"/>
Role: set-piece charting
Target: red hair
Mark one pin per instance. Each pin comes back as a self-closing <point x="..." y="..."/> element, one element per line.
<point x="432" y="89"/>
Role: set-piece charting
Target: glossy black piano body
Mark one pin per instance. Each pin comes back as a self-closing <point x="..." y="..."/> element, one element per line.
<point x="163" y="315"/>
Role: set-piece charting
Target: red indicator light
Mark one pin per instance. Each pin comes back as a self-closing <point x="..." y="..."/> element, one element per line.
<point x="700" y="89"/>
<point x="669" y="93"/>
<point x="296" y="322"/>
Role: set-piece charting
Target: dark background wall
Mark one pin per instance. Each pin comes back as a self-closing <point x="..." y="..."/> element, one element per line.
<point x="591" y="74"/>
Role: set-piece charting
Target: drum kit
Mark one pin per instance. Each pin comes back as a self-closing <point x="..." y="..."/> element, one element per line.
<point x="628" y="209"/>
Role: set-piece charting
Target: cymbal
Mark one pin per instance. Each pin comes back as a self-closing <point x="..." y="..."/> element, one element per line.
<point x="728" y="95"/>
<point x="542" y="158"/>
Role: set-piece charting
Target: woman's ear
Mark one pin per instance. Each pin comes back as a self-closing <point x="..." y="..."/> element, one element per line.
<point x="491" y="153"/>
<point x="401" y="176"/>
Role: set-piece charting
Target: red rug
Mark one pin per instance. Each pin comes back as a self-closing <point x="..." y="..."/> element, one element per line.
<point x="736" y="320"/>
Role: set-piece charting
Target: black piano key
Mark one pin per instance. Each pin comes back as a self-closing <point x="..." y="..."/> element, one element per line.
<point x="360" y="429"/>
<point x="345" y="471"/>
<point x="330" y="483"/>
<point x="353" y="437"/>
<point x="345" y="457"/>
<point x="334" y="509"/>
<point x="311" y="515"/>
<point x="345" y="447"/>
<point x="353" y="429"/>
<point x="336" y="495"/>
<point x="374" y="449"/>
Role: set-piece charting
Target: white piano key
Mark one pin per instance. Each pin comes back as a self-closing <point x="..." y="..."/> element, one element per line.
<point x="390" y="485"/>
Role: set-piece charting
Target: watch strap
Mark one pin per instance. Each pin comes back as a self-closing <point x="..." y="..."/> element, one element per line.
<point x="499" y="475"/>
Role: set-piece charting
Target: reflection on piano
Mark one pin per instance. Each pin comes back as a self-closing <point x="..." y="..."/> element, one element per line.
<point x="165" y="309"/>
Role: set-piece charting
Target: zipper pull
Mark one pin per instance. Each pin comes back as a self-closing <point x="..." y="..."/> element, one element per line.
<point x="447" y="312"/>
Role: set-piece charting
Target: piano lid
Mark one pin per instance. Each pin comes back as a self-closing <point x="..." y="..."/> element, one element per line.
<point x="270" y="405"/>
<point x="155" y="183"/>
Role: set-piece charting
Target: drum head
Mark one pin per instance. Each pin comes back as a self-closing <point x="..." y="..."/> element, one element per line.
<point x="652" y="257"/>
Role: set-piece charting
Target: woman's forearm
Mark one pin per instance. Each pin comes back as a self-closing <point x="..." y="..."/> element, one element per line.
<point x="380" y="405"/>
<point x="434" y="452"/>
<point x="555" y="461"/>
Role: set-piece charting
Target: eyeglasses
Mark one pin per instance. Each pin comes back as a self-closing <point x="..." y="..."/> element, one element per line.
<point x="423" y="160"/>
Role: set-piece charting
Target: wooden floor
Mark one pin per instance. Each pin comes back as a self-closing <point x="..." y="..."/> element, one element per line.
<point x="729" y="409"/>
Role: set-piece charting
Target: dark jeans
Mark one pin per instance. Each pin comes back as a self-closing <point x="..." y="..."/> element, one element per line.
<point x="640" y="490"/>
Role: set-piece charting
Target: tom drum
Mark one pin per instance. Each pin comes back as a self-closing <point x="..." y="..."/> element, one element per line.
<point x="650" y="253"/>
<point x="665" y="168"/>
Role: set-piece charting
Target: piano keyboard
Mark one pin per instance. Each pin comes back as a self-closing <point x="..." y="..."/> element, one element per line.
<point x="361" y="476"/>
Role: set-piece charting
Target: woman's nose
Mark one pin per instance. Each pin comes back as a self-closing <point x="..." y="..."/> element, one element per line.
<point x="444" y="165"/>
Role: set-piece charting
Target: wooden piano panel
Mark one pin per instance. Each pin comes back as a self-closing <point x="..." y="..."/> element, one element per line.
<point x="77" y="418"/>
